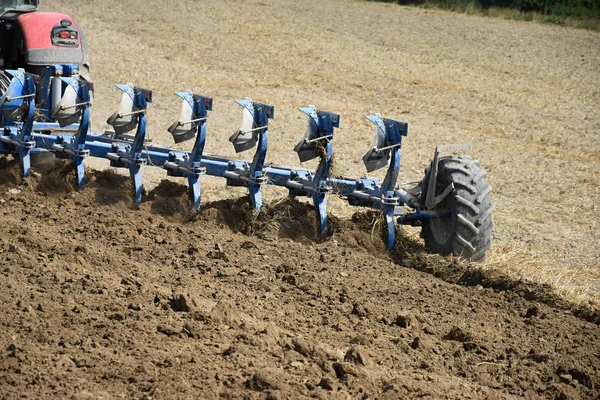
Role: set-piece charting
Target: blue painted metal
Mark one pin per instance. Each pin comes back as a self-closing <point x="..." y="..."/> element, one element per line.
<point x="18" y="104"/>
<point x="190" y="166"/>
<point x="21" y="136"/>
<point x="252" y="175"/>
<point x="316" y="185"/>
<point x="12" y="101"/>
<point x="129" y="155"/>
<point x="79" y="152"/>
<point x="394" y="131"/>
<point x="74" y="147"/>
<point x="409" y="219"/>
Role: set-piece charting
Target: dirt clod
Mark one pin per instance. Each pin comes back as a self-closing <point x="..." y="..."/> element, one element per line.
<point x="181" y="302"/>
<point x="326" y="383"/>
<point x="405" y="320"/>
<point x="290" y="279"/>
<point x="356" y="355"/>
<point x="566" y="378"/>
<point x="168" y="329"/>
<point x="359" y="310"/>
<point x="263" y="380"/>
<point x="532" y="312"/>
<point x="458" y="335"/>
<point x="415" y="343"/>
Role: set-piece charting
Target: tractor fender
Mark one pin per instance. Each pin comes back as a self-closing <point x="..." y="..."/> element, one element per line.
<point x="37" y="43"/>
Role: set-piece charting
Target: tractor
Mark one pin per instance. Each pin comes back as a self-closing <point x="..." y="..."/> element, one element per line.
<point x="33" y="40"/>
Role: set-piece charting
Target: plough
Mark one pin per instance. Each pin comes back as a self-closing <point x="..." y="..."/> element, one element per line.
<point x="48" y="114"/>
<point x="66" y="134"/>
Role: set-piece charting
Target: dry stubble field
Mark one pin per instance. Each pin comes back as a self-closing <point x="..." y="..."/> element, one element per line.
<point x="525" y="95"/>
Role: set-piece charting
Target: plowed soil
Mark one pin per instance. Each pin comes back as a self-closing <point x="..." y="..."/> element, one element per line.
<point x="105" y="301"/>
<point x="100" y="300"/>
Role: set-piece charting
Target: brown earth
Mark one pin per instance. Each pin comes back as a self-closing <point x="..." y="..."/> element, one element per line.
<point x="105" y="301"/>
<point x="100" y="300"/>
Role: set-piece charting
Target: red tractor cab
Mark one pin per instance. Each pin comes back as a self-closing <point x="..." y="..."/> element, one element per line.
<point x="33" y="40"/>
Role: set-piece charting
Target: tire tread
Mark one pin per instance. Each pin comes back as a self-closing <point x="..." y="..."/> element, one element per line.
<point x="471" y="207"/>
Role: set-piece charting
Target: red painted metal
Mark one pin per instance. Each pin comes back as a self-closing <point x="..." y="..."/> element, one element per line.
<point x="37" y="26"/>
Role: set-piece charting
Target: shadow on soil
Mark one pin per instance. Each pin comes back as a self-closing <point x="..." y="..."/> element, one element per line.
<point x="11" y="172"/>
<point x="284" y="218"/>
<point x="110" y="188"/>
<point x="290" y="219"/>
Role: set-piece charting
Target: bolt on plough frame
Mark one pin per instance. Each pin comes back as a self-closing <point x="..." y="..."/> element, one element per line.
<point x="50" y="116"/>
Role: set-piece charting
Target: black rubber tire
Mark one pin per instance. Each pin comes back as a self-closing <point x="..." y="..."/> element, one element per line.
<point x="467" y="233"/>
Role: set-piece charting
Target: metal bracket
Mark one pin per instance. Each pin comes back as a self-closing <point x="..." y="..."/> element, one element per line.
<point x="321" y="125"/>
<point x="75" y="149"/>
<point x="130" y="156"/>
<point x="254" y="177"/>
<point x="384" y="152"/>
<point x="430" y="199"/>
<point x="180" y="164"/>
<point x="438" y="199"/>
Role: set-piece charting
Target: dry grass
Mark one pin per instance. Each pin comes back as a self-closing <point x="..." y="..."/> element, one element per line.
<point x="576" y="285"/>
<point x="571" y="22"/>
<point x="472" y="8"/>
